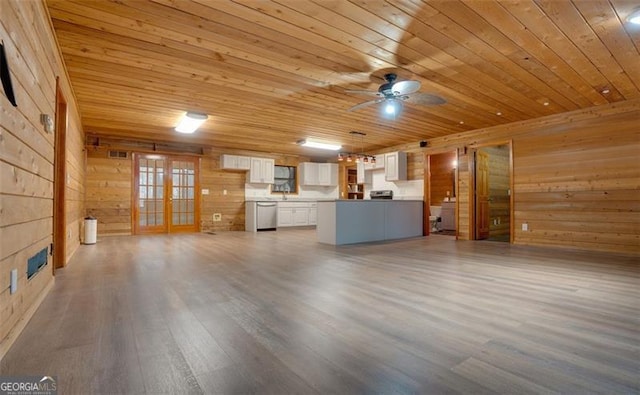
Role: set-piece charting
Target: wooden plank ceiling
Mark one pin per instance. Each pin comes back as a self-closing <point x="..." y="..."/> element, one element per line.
<point x="269" y="73"/>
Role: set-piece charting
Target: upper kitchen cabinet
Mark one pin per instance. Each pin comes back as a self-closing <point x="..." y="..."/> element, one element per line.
<point x="395" y="166"/>
<point x="235" y="162"/>
<point x="375" y="165"/>
<point x="363" y="176"/>
<point x="328" y="174"/>
<point x="261" y="171"/>
<point x="322" y="174"/>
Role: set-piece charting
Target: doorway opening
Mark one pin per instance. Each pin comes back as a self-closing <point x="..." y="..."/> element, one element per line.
<point x="493" y="185"/>
<point x="166" y="194"/>
<point x="59" y="181"/>
<point x="441" y="193"/>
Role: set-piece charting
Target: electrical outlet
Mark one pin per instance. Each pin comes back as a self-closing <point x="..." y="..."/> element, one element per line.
<point x="224" y="192"/>
<point x="525" y="227"/>
<point x="217" y="217"/>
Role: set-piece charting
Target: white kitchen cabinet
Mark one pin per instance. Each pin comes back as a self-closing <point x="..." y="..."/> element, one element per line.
<point x="360" y="172"/>
<point x="296" y="213"/>
<point x="379" y="163"/>
<point x="261" y="171"/>
<point x="362" y="175"/>
<point x="235" y="162"/>
<point x="285" y="216"/>
<point x="322" y="174"/>
<point x="328" y="174"/>
<point x="313" y="214"/>
<point x="301" y="216"/>
<point x="308" y="173"/>
<point x="395" y="166"/>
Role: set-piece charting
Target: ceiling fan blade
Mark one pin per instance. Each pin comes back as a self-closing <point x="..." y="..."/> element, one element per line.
<point x="366" y="104"/>
<point x="362" y="92"/>
<point x="405" y="87"/>
<point x="426" y="99"/>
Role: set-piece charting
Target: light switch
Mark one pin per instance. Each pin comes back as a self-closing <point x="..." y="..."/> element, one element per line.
<point x="205" y="191"/>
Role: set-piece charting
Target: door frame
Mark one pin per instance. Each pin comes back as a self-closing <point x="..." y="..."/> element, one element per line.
<point x="167" y="157"/>
<point x="59" y="181"/>
<point x="472" y="186"/>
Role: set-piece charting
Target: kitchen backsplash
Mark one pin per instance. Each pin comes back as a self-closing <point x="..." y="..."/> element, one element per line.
<point x="402" y="190"/>
<point x="255" y="192"/>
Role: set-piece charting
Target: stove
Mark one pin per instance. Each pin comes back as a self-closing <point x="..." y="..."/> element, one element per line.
<point x="382" y="194"/>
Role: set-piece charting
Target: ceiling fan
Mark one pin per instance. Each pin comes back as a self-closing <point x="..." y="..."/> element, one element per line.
<point x="393" y="93"/>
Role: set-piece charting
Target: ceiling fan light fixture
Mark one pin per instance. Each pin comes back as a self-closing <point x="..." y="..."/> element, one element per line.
<point x="190" y="122"/>
<point x="311" y="143"/>
<point x="634" y="16"/>
<point x="392" y="108"/>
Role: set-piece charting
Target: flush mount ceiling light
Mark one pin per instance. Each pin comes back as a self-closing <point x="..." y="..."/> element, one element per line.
<point x="634" y="16"/>
<point x="190" y="122"/>
<point x="312" y="143"/>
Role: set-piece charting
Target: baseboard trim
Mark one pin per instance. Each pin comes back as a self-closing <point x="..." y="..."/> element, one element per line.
<point x="17" y="329"/>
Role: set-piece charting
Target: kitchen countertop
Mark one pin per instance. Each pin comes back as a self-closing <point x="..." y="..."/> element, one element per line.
<point x="372" y="200"/>
<point x="289" y="199"/>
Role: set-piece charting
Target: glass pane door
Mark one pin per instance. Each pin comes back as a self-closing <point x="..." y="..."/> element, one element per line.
<point x="183" y="194"/>
<point x="150" y="204"/>
<point x="166" y="198"/>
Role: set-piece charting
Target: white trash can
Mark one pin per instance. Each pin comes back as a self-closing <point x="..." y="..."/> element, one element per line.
<point x="90" y="230"/>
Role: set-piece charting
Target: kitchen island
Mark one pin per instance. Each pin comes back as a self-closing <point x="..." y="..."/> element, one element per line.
<point x="358" y="221"/>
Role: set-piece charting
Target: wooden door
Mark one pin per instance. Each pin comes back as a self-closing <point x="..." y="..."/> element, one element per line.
<point x="182" y="210"/>
<point x="60" y="182"/>
<point x="482" y="195"/>
<point x="165" y="194"/>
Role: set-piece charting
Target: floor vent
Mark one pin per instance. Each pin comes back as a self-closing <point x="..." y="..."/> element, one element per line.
<point x="118" y="154"/>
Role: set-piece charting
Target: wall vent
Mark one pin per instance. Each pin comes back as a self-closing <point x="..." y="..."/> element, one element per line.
<point x="117" y="154"/>
<point x="36" y="262"/>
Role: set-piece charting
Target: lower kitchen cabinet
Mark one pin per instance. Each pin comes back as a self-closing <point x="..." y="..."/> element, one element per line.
<point x="296" y="214"/>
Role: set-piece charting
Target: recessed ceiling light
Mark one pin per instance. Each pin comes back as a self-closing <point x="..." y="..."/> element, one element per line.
<point x="498" y="113"/>
<point x="605" y="91"/>
<point x="545" y="103"/>
<point x="461" y="122"/>
<point x="634" y="16"/>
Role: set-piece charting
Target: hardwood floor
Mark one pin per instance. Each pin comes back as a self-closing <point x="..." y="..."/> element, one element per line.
<point x="276" y="313"/>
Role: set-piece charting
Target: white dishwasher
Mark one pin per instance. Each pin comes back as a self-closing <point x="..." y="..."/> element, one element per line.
<point x="266" y="215"/>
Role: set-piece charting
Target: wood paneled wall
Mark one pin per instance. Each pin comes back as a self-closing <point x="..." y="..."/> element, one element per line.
<point x="109" y="183"/>
<point x="108" y="186"/>
<point x="231" y="205"/>
<point x="26" y="162"/>
<point x="499" y="184"/>
<point x="576" y="177"/>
